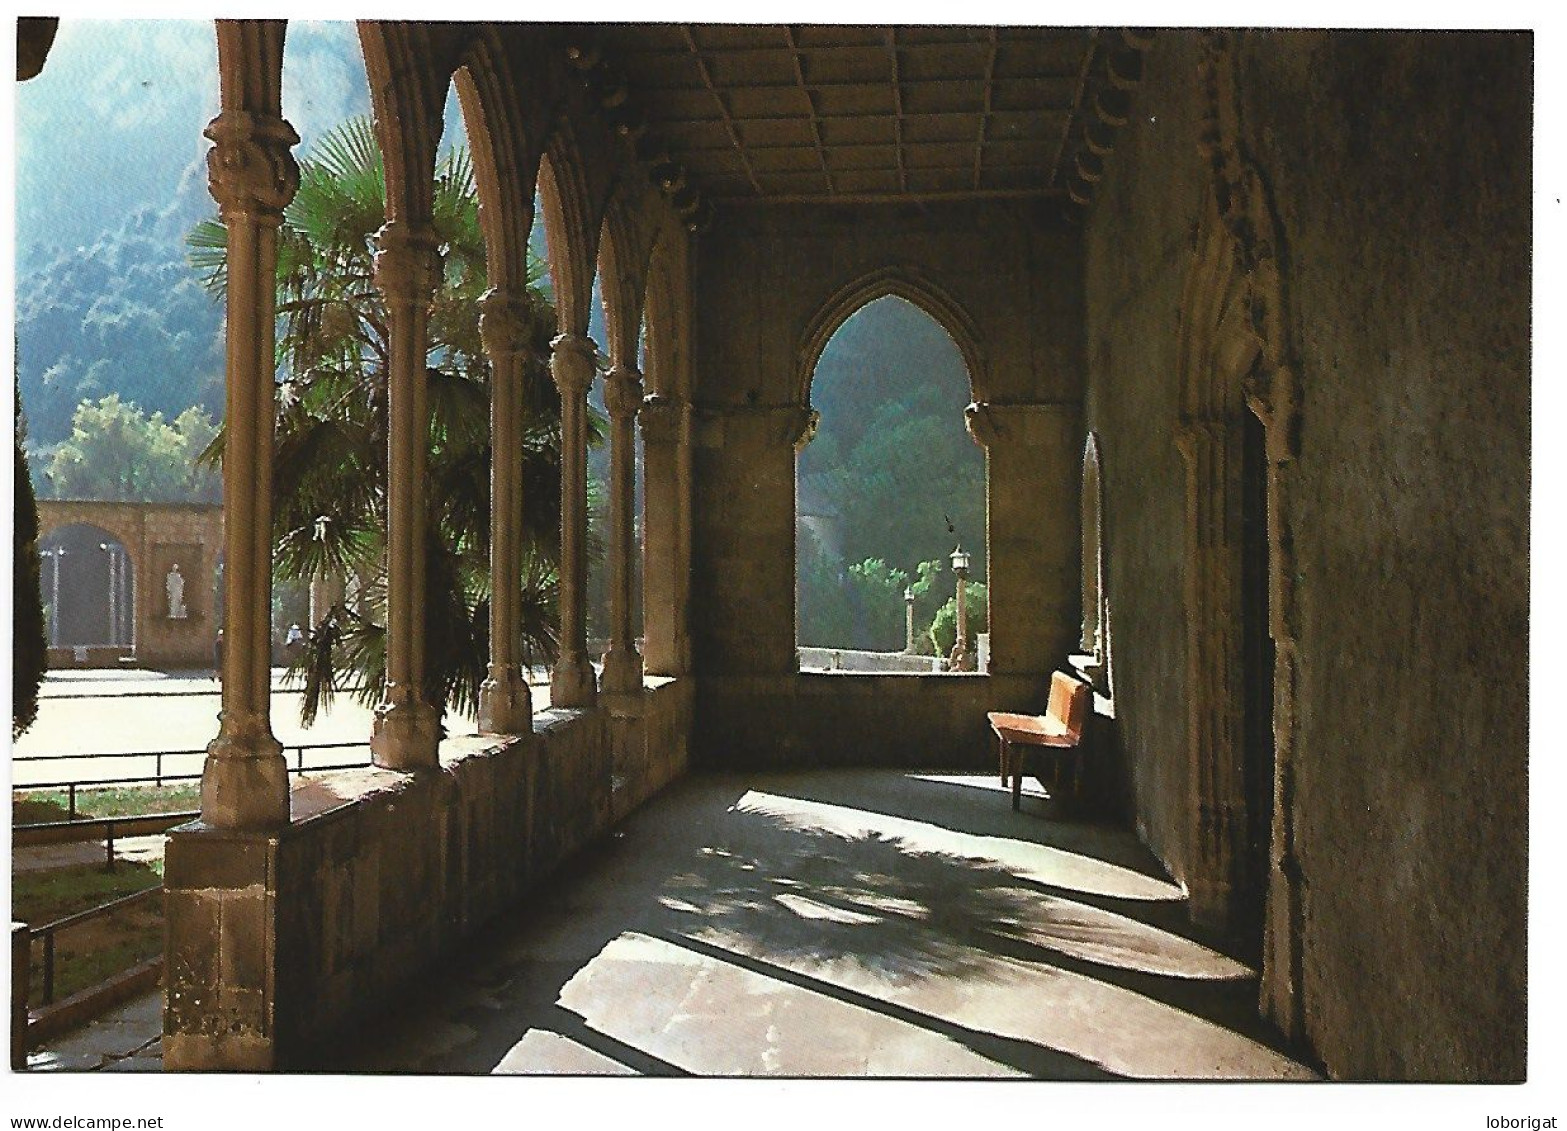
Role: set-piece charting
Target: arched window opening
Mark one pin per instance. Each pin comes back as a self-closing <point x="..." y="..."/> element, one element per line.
<point x="890" y="498"/>
<point x="1093" y="638"/>
<point x="89" y="588"/>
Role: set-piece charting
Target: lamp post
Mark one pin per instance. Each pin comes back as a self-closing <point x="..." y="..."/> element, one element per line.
<point x="960" y="563"/>
<point x="116" y="570"/>
<point x="908" y="616"/>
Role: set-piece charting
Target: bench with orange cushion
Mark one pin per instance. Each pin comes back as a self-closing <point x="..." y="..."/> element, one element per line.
<point x="1060" y="728"/>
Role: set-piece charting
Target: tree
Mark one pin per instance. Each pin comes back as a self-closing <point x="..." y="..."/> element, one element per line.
<point x="943" y="630"/>
<point x="329" y="478"/>
<point x="118" y="453"/>
<point x="29" y="644"/>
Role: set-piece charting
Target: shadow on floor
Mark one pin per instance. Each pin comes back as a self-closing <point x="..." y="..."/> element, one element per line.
<point x="838" y="923"/>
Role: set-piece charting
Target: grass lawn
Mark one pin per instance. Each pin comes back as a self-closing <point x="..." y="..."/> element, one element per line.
<point x="39" y="806"/>
<point x="99" y="948"/>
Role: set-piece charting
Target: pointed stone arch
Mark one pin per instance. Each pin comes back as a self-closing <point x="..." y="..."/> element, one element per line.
<point x="571" y="226"/>
<point x="505" y="158"/>
<point x="407" y="93"/>
<point x="909" y="284"/>
<point x="625" y="252"/>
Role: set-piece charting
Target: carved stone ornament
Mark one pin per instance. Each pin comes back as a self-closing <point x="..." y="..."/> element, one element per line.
<point x="572" y="358"/>
<point x="503" y="325"/>
<point x="250" y="169"/>
<point x="801" y="429"/>
<point x="407" y="263"/>
<point x="623" y="392"/>
<point x="661" y="418"/>
<point x="982" y="424"/>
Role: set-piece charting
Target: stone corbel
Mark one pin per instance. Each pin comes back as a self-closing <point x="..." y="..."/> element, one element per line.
<point x="662" y="419"/>
<point x="990" y="423"/>
<point x="623" y="392"/>
<point x="800" y="428"/>
<point x="251" y="171"/>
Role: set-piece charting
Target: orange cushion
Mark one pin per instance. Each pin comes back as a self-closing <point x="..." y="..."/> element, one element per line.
<point x="1031" y="730"/>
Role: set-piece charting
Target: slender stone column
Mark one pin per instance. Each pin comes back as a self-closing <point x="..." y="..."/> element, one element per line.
<point x="407" y="268"/>
<point x="666" y="426"/>
<point x="252" y="176"/>
<point x="571" y="365"/>
<point x="505" y="705"/>
<point x="623" y="398"/>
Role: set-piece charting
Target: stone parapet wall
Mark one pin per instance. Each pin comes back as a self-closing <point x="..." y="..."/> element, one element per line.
<point x="848" y="719"/>
<point x="851" y="660"/>
<point x="651" y="742"/>
<point x="278" y="940"/>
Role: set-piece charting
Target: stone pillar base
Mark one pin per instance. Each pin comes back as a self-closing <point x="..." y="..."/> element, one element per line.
<point x="505" y="703"/>
<point x="220" y="903"/>
<point x="622" y="671"/>
<point x="244" y="781"/>
<point x="406" y="734"/>
<point x="571" y="683"/>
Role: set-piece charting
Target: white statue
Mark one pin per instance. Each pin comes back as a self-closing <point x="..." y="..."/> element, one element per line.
<point x="174" y="586"/>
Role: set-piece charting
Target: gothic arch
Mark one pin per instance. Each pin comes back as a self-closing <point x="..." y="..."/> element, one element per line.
<point x="571" y="230"/>
<point x="407" y="94"/>
<point x="505" y="165"/>
<point x="908" y="284"/>
<point x="625" y="252"/>
<point x="1235" y="359"/>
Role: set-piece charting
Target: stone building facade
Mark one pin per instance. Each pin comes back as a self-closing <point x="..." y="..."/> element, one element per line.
<point x="1280" y="277"/>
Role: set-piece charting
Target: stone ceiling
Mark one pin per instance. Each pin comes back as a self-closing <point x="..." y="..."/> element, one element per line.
<point x="787" y="113"/>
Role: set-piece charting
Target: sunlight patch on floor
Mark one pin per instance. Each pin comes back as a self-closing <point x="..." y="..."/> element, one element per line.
<point x="1054" y="866"/>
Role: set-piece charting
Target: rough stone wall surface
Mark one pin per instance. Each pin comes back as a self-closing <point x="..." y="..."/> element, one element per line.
<point x="1399" y="169"/>
<point x="278" y="940"/>
<point x="765" y="278"/>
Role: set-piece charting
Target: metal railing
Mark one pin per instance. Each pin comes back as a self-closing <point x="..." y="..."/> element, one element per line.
<point x="48" y="931"/>
<point x="158" y="777"/>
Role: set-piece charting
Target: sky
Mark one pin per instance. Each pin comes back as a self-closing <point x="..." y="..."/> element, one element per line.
<point x="113" y="124"/>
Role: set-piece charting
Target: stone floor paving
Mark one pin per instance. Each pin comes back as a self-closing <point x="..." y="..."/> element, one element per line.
<point x="820" y="924"/>
<point x="841" y="924"/>
<point x="126" y="1039"/>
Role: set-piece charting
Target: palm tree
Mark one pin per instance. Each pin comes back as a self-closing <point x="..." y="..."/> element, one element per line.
<point x="329" y="478"/>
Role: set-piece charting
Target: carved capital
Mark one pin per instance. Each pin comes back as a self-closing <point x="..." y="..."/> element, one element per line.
<point x="250" y="170"/>
<point x="801" y="429"/>
<point x="661" y="419"/>
<point x="982" y="424"/>
<point x="407" y="263"/>
<point x="503" y="325"/>
<point x="623" y="392"/>
<point x="572" y="365"/>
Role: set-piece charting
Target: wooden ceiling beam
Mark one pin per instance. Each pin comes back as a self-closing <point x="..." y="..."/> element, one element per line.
<point x="984" y="119"/>
<point x="723" y="108"/>
<point x="810" y="100"/>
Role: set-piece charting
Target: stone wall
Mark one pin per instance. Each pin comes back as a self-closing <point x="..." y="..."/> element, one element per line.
<point x="1398" y="167"/>
<point x="276" y="941"/>
<point x="772" y="282"/>
<point x="156" y="536"/>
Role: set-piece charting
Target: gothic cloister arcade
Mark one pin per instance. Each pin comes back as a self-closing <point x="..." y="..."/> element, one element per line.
<point x="1280" y="278"/>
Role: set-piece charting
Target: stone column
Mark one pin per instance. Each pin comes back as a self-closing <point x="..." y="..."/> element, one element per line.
<point x="505" y="704"/>
<point x="407" y="269"/>
<point x="572" y="366"/>
<point x="623" y="398"/>
<point x="1031" y="562"/>
<point x="666" y="564"/>
<point x="252" y="176"/>
<point x="908" y="618"/>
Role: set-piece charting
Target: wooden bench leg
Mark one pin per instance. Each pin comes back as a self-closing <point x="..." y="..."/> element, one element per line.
<point x="1016" y="766"/>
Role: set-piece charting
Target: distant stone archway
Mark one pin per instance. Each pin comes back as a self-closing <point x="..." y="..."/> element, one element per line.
<point x="157" y="537"/>
<point x="1234" y="363"/>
